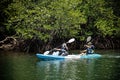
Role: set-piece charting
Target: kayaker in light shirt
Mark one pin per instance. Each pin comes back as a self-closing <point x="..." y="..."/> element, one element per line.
<point x="62" y="50"/>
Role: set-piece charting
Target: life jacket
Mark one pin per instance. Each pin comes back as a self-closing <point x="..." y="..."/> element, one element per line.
<point x="90" y="50"/>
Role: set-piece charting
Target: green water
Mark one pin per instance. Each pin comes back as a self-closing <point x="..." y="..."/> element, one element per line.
<point x="19" y="66"/>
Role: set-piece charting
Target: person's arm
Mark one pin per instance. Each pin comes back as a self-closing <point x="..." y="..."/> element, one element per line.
<point x="83" y="51"/>
<point x="57" y="49"/>
<point x="66" y="47"/>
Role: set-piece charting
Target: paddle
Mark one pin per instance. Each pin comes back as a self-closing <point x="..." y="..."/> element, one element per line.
<point x="70" y="41"/>
<point x="88" y="39"/>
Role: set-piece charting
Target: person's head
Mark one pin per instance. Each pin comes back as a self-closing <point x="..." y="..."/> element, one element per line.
<point x="89" y="43"/>
<point x="64" y="46"/>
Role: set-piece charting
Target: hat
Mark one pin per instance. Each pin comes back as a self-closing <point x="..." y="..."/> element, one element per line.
<point x="89" y="43"/>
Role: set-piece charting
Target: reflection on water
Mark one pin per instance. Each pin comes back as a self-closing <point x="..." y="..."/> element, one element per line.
<point x="66" y="70"/>
<point x="84" y="69"/>
<point x="48" y="70"/>
<point x="15" y="66"/>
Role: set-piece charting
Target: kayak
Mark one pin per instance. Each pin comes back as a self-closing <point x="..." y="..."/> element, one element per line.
<point x="56" y="57"/>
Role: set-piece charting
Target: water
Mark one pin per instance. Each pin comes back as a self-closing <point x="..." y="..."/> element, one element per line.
<point x="21" y="66"/>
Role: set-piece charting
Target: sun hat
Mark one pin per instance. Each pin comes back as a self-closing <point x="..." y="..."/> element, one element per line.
<point x="89" y="43"/>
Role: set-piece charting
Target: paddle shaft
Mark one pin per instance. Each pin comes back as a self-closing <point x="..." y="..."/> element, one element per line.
<point x="70" y="41"/>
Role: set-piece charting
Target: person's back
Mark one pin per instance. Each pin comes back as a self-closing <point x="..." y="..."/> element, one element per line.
<point x="90" y="48"/>
<point x="89" y="51"/>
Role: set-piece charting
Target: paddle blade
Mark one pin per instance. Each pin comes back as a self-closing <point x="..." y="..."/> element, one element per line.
<point x="89" y="38"/>
<point x="71" y="40"/>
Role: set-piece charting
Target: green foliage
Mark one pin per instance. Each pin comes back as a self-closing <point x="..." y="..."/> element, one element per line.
<point x="100" y="18"/>
<point x="48" y="19"/>
<point x="57" y="18"/>
<point x="106" y="27"/>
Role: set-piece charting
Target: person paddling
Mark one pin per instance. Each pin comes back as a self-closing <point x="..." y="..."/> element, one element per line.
<point x="64" y="50"/>
<point x="89" y="49"/>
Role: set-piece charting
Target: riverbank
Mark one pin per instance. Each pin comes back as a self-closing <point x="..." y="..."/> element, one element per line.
<point x="37" y="45"/>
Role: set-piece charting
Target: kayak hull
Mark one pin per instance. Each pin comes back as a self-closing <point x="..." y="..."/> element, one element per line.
<point x="55" y="57"/>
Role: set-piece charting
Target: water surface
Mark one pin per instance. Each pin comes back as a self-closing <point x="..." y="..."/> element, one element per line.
<point x="21" y="66"/>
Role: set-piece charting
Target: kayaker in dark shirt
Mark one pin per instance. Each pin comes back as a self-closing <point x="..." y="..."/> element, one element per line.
<point x="89" y="49"/>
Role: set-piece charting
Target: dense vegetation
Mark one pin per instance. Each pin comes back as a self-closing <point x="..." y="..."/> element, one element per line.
<point x="42" y="24"/>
